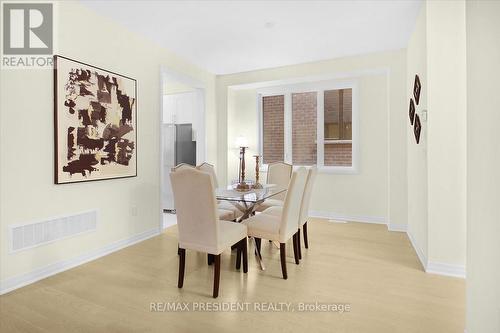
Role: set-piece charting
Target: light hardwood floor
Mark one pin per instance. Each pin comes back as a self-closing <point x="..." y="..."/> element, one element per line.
<point x="364" y="265"/>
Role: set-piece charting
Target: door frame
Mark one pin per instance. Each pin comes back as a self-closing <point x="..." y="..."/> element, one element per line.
<point x="167" y="74"/>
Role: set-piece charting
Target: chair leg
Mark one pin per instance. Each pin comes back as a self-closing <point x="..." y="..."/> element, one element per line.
<point x="283" y="260"/>
<point x="304" y="228"/>
<point x="216" y="276"/>
<point x="245" y="254"/>
<point x="257" y="249"/>
<point x="210" y="259"/>
<point x="299" y="246"/>
<point x="295" y="249"/>
<point x="178" y="250"/>
<point x="182" y="264"/>
<point x="238" y="255"/>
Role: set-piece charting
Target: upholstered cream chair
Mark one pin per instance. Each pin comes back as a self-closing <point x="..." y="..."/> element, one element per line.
<point x="304" y="208"/>
<point x="182" y="166"/>
<point x="277" y="173"/>
<point x="199" y="226"/>
<point x="224" y="214"/>
<point x="281" y="228"/>
<point x="224" y="205"/>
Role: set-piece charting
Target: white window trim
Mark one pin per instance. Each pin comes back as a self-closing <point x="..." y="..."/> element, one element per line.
<point x="319" y="88"/>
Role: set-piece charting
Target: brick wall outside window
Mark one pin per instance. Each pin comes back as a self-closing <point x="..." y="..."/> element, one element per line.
<point x="339" y="154"/>
<point x="304" y="123"/>
<point x="273" y="110"/>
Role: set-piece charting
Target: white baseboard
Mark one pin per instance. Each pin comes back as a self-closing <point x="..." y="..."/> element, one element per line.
<point x="428" y="267"/>
<point x="397" y="227"/>
<point x="356" y="218"/>
<point x="436" y="267"/>
<point x="420" y="253"/>
<point x="446" y="269"/>
<point x="347" y="218"/>
<point x="22" y="280"/>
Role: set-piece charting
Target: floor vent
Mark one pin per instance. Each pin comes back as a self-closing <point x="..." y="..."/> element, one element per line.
<point x="38" y="233"/>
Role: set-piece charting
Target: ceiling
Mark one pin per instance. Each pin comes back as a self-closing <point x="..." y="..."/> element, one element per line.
<point x="235" y="36"/>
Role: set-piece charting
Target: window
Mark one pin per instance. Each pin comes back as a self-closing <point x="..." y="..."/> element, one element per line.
<point x="308" y="124"/>
<point x="338" y="127"/>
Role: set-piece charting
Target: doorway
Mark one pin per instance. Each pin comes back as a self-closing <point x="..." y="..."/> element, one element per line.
<point x="182" y="132"/>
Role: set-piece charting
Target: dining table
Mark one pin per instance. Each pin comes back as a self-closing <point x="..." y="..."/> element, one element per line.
<point x="246" y="201"/>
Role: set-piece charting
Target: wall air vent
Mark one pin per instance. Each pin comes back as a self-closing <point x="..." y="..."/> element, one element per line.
<point x="24" y="236"/>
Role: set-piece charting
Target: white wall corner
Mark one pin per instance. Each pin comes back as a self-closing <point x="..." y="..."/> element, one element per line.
<point x="420" y="253"/>
<point x="347" y="218"/>
<point x="446" y="269"/>
<point x="436" y="267"/>
<point x="22" y="280"/>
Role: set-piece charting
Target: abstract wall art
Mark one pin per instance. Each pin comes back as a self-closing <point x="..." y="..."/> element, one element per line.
<point x="411" y="111"/>
<point x="416" y="89"/>
<point x="417" y="128"/>
<point x="95" y="118"/>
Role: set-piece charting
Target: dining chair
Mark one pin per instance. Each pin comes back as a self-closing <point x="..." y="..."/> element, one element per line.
<point x="224" y="205"/>
<point x="182" y="166"/>
<point x="199" y="226"/>
<point x="281" y="228"/>
<point x="304" y="209"/>
<point x="278" y="173"/>
<point x="224" y="214"/>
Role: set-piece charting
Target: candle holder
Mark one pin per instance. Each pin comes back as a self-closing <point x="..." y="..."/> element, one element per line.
<point x="257" y="167"/>
<point x="242" y="185"/>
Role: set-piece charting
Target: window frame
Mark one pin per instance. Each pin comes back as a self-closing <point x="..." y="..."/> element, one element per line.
<point x="319" y="88"/>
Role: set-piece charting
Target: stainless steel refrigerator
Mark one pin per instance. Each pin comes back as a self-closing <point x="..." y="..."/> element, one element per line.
<point x="178" y="147"/>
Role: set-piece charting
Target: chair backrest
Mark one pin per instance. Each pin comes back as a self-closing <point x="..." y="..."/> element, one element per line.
<point x="196" y="207"/>
<point x="209" y="168"/>
<point x="291" y="207"/>
<point x="279" y="173"/>
<point x="182" y="166"/>
<point x="306" y="198"/>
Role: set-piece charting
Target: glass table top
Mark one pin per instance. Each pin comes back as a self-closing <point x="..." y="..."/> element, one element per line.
<point x="253" y="195"/>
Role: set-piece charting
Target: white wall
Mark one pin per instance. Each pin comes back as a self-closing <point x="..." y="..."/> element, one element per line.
<point x="483" y="165"/>
<point x="26" y="143"/>
<point x="369" y="194"/>
<point x="417" y="154"/>
<point x="446" y="156"/>
<point x="437" y="166"/>
<point x="175" y="87"/>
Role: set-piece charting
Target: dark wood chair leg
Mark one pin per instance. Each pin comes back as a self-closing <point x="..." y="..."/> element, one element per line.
<point x="178" y="250"/>
<point x="257" y="249"/>
<point x="299" y="246"/>
<point x="283" y="260"/>
<point x="210" y="259"/>
<point x="295" y="249"/>
<point x="216" y="275"/>
<point x="182" y="264"/>
<point x="244" y="250"/>
<point x="304" y="228"/>
<point x="238" y="255"/>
